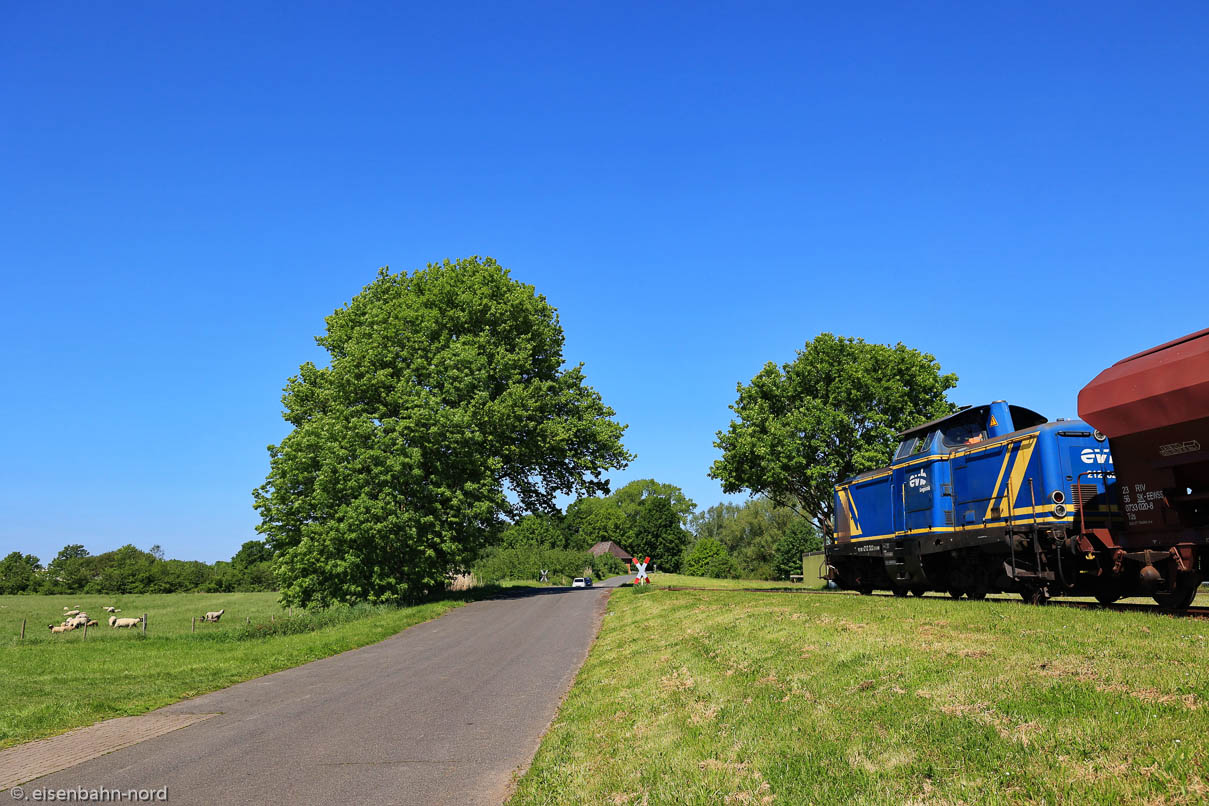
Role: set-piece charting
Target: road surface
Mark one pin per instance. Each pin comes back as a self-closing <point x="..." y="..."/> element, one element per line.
<point x="443" y="713"/>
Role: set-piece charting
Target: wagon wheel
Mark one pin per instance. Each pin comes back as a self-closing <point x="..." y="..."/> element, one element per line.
<point x="865" y="589"/>
<point x="980" y="587"/>
<point x="956" y="592"/>
<point x="1107" y="597"/>
<point x="1182" y="596"/>
<point x="1035" y="594"/>
<point x="899" y="590"/>
<point x="919" y="590"/>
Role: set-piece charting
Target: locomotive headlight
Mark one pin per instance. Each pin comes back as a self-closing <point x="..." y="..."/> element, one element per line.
<point x="1098" y="435"/>
<point x="1057" y="497"/>
<point x="1059" y="511"/>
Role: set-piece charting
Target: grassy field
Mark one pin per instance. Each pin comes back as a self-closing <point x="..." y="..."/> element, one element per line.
<point x="52" y="683"/>
<point x="705" y="583"/>
<point x="721" y="697"/>
<point x="679" y="580"/>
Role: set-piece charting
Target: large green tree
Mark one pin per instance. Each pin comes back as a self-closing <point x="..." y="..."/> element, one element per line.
<point x="708" y="558"/>
<point x="17" y="572"/>
<point x="798" y="539"/>
<point x="750" y="532"/>
<point x="445" y="408"/>
<point x="657" y="533"/>
<point x="535" y="531"/>
<point x="832" y="412"/>
<point x="70" y="570"/>
<point x="594" y="520"/>
<point x="630" y="497"/>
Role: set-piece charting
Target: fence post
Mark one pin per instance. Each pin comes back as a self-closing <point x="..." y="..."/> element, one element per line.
<point x="85" y="629"/>
<point x="193" y="627"/>
<point x="22" y="629"/>
<point x="249" y="621"/>
<point x="291" y="611"/>
<point x="144" y="624"/>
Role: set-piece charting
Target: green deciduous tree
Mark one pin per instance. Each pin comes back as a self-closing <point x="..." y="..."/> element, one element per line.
<point x="251" y="553"/>
<point x="69" y="571"/>
<point x="750" y="532"/>
<point x="708" y="558"/>
<point x="124" y="570"/>
<point x="657" y="533"/>
<point x="799" y="538"/>
<point x="535" y="531"/>
<point x="18" y="572"/>
<point x="445" y="408"/>
<point x="832" y="412"/>
<point x="630" y="497"/>
<point x="593" y="520"/>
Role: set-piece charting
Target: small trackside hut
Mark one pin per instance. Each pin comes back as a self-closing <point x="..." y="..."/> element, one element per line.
<point x="986" y="499"/>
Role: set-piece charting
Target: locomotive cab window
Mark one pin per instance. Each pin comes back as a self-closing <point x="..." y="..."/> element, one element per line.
<point x="906" y="448"/>
<point x="915" y="445"/>
<point x="923" y="444"/>
<point x="966" y="430"/>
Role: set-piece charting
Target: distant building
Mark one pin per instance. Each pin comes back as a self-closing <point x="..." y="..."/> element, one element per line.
<point x="609" y="547"/>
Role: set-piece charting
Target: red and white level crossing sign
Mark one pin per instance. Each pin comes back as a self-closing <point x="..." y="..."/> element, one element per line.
<point x="642" y="578"/>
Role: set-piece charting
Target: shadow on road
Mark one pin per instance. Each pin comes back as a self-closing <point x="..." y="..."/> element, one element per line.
<point x="558" y="590"/>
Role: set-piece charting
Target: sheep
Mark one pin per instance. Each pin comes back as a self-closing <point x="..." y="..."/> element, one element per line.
<point x="91" y="622"/>
<point x="112" y="610"/>
<point x="214" y="615"/>
<point x="114" y="621"/>
<point x="71" y="613"/>
<point x="76" y="621"/>
<point x="59" y="628"/>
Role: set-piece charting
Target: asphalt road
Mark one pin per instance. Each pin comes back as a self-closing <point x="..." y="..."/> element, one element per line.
<point x="442" y="713"/>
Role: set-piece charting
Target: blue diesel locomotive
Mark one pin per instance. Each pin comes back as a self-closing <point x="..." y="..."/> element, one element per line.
<point x="988" y="499"/>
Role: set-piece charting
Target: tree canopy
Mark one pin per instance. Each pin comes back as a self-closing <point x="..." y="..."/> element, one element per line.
<point x="708" y="558"/>
<point x="18" y="572"/>
<point x="657" y="533"/>
<point x="752" y="533"/>
<point x="446" y="406"/>
<point x="832" y="412"/>
<point x="629" y="498"/>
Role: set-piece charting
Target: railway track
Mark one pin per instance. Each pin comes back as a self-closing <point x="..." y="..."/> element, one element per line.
<point x="1130" y="607"/>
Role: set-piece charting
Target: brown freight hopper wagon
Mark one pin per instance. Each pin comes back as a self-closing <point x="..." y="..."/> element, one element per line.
<point x="1154" y="408"/>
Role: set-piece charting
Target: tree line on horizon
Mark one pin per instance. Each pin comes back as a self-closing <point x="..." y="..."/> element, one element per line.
<point x="131" y="570"/>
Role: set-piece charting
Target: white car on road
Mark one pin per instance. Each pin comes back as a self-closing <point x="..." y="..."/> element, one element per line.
<point x="581" y="582"/>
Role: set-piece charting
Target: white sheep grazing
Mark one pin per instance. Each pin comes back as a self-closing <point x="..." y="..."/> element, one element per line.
<point x="112" y="610"/>
<point x="214" y="615"/>
<point x="114" y="621"/>
<point x="91" y="622"/>
<point x="71" y="613"/>
<point x="60" y="628"/>
<point x="76" y="621"/>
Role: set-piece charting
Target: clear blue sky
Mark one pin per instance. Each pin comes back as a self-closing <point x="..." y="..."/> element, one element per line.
<point x="188" y="189"/>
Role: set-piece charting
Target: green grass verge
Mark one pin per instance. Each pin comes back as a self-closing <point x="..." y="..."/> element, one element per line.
<point x="52" y="683"/>
<point x="680" y="580"/>
<point x="707" y="698"/>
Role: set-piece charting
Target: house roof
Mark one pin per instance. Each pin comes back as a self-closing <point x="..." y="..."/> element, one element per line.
<point x="609" y="547"/>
